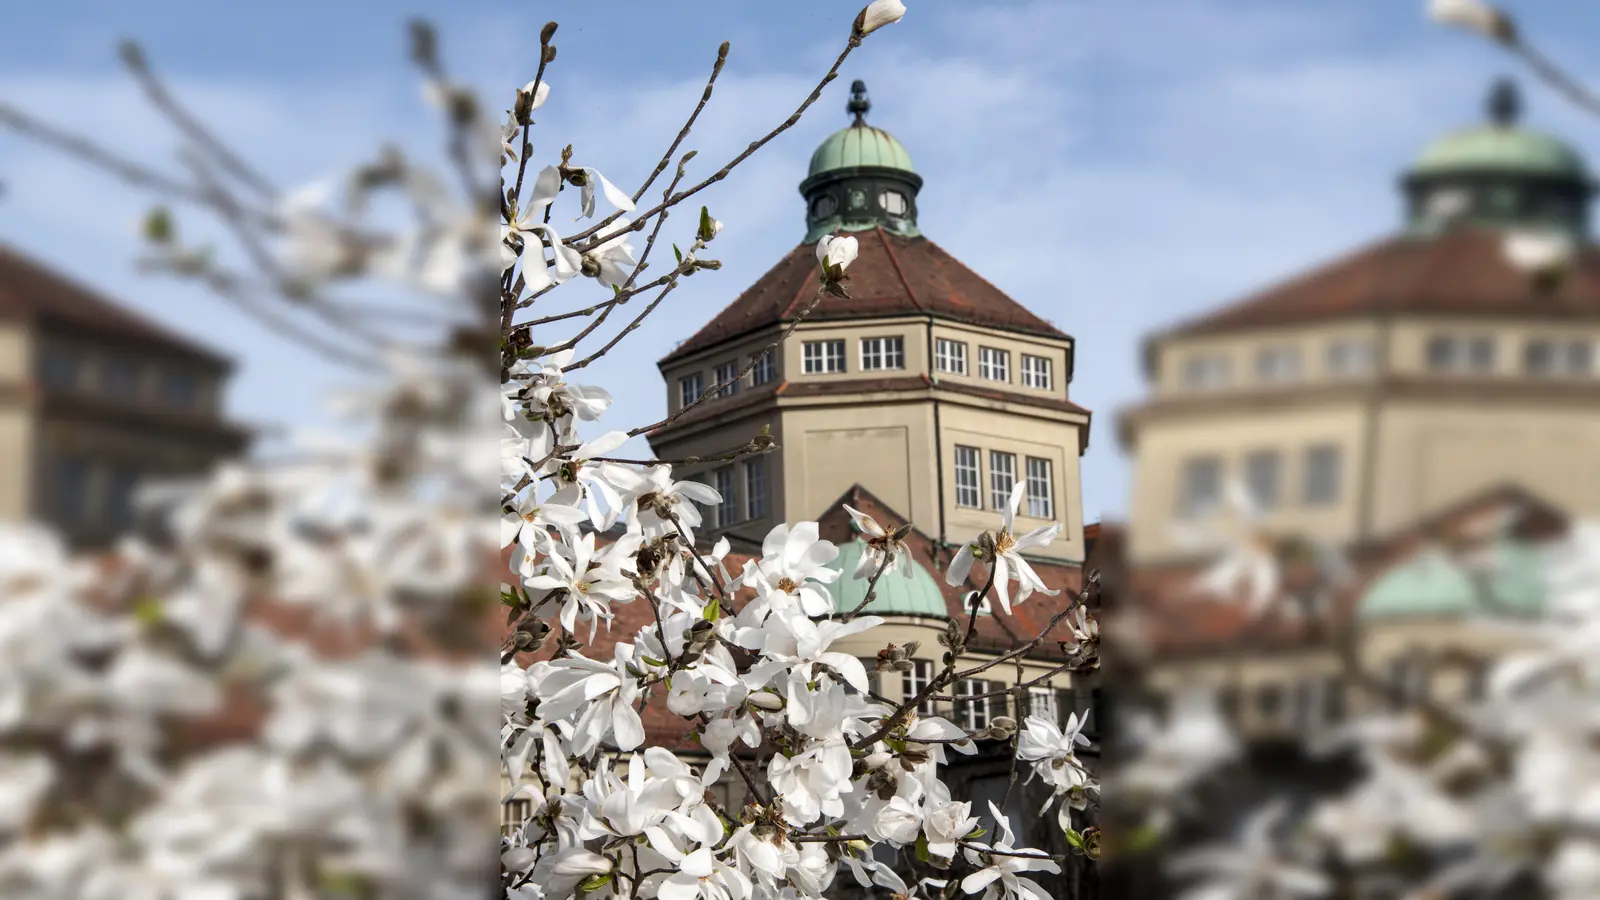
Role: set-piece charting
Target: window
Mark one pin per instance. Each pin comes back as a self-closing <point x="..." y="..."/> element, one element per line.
<point x="974" y="710"/>
<point x="58" y="369"/>
<point x="1002" y="478"/>
<point x="1453" y="353"/>
<point x="514" y="812"/>
<point x="1269" y="702"/>
<point x="765" y="369"/>
<point x="119" y="496"/>
<point x="727" y="376"/>
<point x="894" y="202"/>
<point x="1042" y="703"/>
<point x="755" y="488"/>
<point x="821" y="357"/>
<point x="180" y="390"/>
<point x="1542" y="356"/>
<point x="1349" y="356"/>
<point x="823" y="207"/>
<point x="1332" y="699"/>
<point x="72" y="489"/>
<point x="1041" y="501"/>
<point x="994" y="364"/>
<point x="950" y="356"/>
<point x="1278" y="363"/>
<point x="1261" y="471"/>
<point x="914" y="681"/>
<point x="728" y="509"/>
<point x="967" y="478"/>
<point x="690" y="387"/>
<point x="883" y="353"/>
<point x="120" y="378"/>
<point x="1206" y="372"/>
<point x="985" y="608"/>
<point x="1322" y="465"/>
<point x="1200" y="485"/>
<point x="1036" y="372"/>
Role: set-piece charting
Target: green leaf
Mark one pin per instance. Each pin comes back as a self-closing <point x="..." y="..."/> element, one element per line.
<point x="652" y="660"/>
<point x="922" y="848"/>
<point x="595" y="883"/>
<point x="977" y="833"/>
<point x="147" y="611"/>
<point x="510" y="599"/>
<point x="678" y="253"/>
<point x="713" y="610"/>
<point x="1075" y="839"/>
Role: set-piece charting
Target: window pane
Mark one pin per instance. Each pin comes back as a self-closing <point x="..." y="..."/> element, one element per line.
<point x="755" y="487"/>
<point x="994" y="364"/>
<point x="120" y="378"/>
<point x="1322" y="470"/>
<point x="725" y="376"/>
<point x="1036" y="371"/>
<point x="119" y="497"/>
<point x="974" y="712"/>
<point x="1261" y="470"/>
<point x="1480" y="354"/>
<point x="728" y="509"/>
<point x="912" y="683"/>
<point x="72" y="489"/>
<point x="1278" y="363"/>
<point x="1041" y="502"/>
<point x="967" y="477"/>
<point x="1443" y="351"/>
<point x="1206" y="372"/>
<point x="1201" y="485"/>
<point x="951" y="356"/>
<point x="1580" y="358"/>
<point x="1002" y="477"/>
<point x="1538" y="357"/>
<point x="1042" y="703"/>
<point x="58" y="368"/>
<point x="765" y="370"/>
<point x="690" y="387"/>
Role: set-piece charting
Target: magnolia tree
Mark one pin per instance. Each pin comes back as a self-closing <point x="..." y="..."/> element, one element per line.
<point x="170" y="731"/>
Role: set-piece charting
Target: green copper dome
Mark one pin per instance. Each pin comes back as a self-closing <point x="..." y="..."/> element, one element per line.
<point x="1512" y="151"/>
<point x="1498" y="175"/>
<point x="860" y="179"/>
<point x="1432" y="587"/>
<point x="860" y="145"/>
<point x="914" y="594"/>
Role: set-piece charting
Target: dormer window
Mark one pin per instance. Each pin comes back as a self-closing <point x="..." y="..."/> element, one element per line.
<point x="893" y="202"/>
<point x="823" y="207"/>
<point x="690" y="387"/>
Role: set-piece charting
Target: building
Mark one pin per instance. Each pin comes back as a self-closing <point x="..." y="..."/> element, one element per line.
<point x="1421" y="405"/>
<point x="928" y="386"/>
<point x="1343" y="397"/>
<point x="95" y="399"/>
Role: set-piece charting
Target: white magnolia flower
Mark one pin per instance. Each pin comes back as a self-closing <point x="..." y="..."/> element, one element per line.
<point x="1539" y="252"/>
<point x="1253" y="865"/>
<point x="881" y="545"/>
<point x="1003" y="878"/>
<point x="835" y="254"/>
<point x="1003" y="553"/>
<point x="945" y="823"/>
<point x="602" y="695"/>
<point x="810" y="784"/>
<point x="879" y="13"/>
<point x="791" y="573"/>
<point x="1053" y="750"/>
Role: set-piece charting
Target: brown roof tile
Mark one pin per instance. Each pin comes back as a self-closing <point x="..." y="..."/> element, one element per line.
<point x="1461" y="273"/>
<point x="892" y="275"/>
<point x="29" y="290"/>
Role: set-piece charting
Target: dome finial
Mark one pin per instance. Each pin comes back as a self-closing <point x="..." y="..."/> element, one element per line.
<point x="1505" y="104"/>
<point x="859" y="104"/>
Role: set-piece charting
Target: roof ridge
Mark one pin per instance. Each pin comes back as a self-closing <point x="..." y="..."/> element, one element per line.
<point x="997" y="289"/>
<point x="894" y="261"/>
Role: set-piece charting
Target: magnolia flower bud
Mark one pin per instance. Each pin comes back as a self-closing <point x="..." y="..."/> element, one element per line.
<point x="1473" y="15"/>
<point x="1002" y="728"/>
<point x="877" y="14"/>
<point x="765" y="700"/>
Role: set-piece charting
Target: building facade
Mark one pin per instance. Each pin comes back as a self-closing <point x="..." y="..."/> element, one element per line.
<point x="94" y="401"/>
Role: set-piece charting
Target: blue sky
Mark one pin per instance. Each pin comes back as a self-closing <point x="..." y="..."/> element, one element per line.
<point x="1114" y="166"/>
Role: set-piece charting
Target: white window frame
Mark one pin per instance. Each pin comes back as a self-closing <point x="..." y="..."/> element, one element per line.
<point x="1002" y="478"/>
<point x="1041" y="503"/>
<point x="1036" y="372"/>
<point x="514" y="812"/>
<point x="975" y="714"/>
<point x="755" y="488"/>
<point x="913" y="680"/>
<point x="994" y="363"/>
<point x="950" y="356"/>
<point x="722" y="481"/>
<point x="884" y="352"/>
<point x="726" y="373"/>
<point x="690" y="387"/>
<point x="1043" y="702"/>
<point x="765" y="369"/>
<point x="822" y="357"/>
<point x="969" y="490"/>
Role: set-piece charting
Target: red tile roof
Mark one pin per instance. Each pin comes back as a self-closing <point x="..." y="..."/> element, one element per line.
<point x="891" y="276"/>
<point x="1464" y="273"/>
<point x="30" y="291"/>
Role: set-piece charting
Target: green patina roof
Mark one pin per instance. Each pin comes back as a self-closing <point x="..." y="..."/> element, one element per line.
<point x="1492" y="148"/>
<point x="1431" y="587"/>
<point x="915" y="594"/>
<point x="860" y="145"/>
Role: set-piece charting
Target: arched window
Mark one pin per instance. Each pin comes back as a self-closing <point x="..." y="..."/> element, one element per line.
<point x="893" y="202"/>
<point x="823" y="207"/>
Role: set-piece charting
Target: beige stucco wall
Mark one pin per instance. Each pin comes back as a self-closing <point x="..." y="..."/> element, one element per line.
<point x="16" y="427"/>
<point x="1052" y="437"/>
<point x="706" y="362"/>
<point x="1016" y="345"/>
<point x="885" y="444"/>
<point x="1240" y="349"/>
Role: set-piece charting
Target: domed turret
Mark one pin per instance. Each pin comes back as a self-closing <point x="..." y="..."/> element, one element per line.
<point x="914" y="593"/>
<point x="860" y="178"/>
<point x="1499" y="175"/>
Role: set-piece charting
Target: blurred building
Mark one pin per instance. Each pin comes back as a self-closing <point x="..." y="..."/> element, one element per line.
<point x="95" y="400"/>
<point x="1405" y="423"/>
